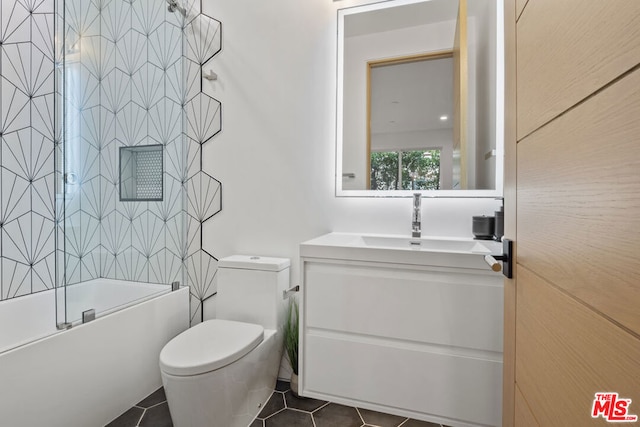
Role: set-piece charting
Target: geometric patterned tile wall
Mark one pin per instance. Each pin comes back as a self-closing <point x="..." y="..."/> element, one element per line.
<point x="82" y="143"/>
<point x="203" y="114"/>
<point x="27" y="253"/>
<point x="124" y="88"/>
<point x="120" y="62"/>
<point x="133" y="77"/>
<point x="142" y="241"/>
<point x="136" y="79"/>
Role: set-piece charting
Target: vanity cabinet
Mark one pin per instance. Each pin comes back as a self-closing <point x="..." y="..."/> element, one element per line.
<point x="417" y="340"/>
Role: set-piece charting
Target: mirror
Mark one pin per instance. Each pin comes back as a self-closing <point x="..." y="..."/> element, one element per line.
<point x="420" y="99"/>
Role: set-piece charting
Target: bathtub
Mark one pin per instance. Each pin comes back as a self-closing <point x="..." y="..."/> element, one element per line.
<point x="87" y="375"/>
<point x="106" y="296"/>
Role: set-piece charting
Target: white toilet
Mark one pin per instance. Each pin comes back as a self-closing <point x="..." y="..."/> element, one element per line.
<point x="219" y="373"/>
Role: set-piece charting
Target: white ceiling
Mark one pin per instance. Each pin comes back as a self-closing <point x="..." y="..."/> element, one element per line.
<point x="412" y="97"/>
<point x="408" y="97"/>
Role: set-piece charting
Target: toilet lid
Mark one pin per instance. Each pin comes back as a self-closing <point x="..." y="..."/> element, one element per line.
<point x="209" y="346"/>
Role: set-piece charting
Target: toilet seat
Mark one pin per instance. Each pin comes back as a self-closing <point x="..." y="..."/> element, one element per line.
<point x="209" y="346"/>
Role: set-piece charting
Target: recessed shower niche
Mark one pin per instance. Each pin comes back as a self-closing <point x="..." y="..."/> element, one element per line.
<point x="141" y="170"/>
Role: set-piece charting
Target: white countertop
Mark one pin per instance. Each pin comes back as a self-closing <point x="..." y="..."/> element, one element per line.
<point x="402" y="249"/>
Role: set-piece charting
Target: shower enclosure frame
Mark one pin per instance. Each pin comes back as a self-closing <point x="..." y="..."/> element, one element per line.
<point x="165" y="245"/>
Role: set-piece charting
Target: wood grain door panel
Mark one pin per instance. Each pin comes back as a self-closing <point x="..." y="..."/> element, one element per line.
<point x="579" y="215"/>
<point x="520" y="5"/>
<point x="523" y="415"/>
<point x="572" y="205"/>
<point x="566" y="353"/>
<point x="568" y="49"/>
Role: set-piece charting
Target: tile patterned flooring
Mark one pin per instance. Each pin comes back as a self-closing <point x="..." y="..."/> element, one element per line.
<point x="282" y="410"/>
<point x="152" y="411"/>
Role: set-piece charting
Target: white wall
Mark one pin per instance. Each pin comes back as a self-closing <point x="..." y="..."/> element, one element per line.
<point x="276" y="153"/>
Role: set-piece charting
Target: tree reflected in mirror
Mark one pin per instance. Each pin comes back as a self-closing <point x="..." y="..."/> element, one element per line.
<point x="405" y="170"/>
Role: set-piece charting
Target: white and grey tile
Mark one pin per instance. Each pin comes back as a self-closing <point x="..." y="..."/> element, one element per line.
<point x="281" y="410"/>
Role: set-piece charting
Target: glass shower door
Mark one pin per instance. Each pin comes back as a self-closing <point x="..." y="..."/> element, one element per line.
<point x="122" y="159"/>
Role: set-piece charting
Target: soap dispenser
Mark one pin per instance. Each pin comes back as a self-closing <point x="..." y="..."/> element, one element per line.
<point x="498" y="230"/>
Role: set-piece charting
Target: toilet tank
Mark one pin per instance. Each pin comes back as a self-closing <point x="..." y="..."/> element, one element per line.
<point x="250" y="289"/>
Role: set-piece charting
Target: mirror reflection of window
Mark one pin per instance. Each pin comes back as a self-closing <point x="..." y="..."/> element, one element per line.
<point x="411" y="106"/>
<point x="406" y="170"/>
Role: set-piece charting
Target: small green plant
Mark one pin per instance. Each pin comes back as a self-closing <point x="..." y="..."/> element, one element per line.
<point x="291" y="330"/>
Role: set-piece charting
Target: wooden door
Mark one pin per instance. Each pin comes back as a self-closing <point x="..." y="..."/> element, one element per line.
<point x="572" y="198"/>
<point x="460" y="100"/>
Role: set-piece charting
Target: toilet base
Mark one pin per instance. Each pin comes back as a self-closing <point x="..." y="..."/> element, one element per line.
<point x="231" y="396"/>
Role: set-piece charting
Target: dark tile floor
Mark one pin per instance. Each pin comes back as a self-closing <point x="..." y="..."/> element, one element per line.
<point x="282" y="410"/>
<point x="152" y="411"/>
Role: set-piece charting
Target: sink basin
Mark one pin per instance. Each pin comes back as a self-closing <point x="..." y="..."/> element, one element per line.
<point x="441" y="251"/>
<point x="439" y="245"/>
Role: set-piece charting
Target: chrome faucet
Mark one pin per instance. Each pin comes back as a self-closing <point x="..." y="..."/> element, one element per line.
<point x="415" y="220"/>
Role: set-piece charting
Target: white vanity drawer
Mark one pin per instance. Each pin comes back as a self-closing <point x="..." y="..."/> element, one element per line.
<point x="411" y="380"/>
<point x="450" y="308"/>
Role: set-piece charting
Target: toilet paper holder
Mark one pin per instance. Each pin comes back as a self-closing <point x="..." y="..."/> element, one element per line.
<point x="286" y="294"/>
<point x="506" y="258"/>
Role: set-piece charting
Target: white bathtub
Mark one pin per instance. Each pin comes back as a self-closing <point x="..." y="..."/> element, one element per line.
<point x="26" y="319"/>
<point x="87" y="375"/>
<point x="106" y="296"/>
<point x="33" y="316"/>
